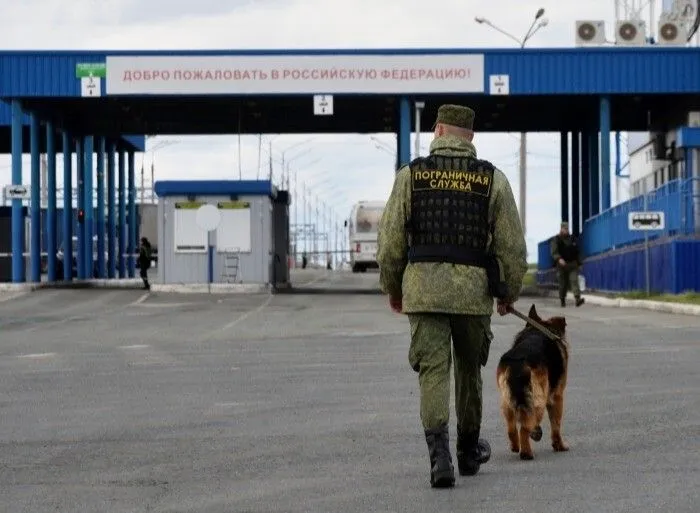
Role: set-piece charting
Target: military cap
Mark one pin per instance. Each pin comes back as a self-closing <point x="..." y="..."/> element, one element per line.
<point x="455" y="115"/>
<point x="565" y="224"/>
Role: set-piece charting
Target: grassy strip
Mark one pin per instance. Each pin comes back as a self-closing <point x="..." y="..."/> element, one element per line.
<point x="692" y="298"/>
<point x="529" y="279"/>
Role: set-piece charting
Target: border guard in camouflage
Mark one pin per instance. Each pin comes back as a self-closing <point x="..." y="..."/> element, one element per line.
<point x="566" y="255"/>
<point x="450" y="241"/>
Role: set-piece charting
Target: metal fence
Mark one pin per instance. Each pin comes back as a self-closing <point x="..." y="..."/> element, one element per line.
<point x="679" y="200"/>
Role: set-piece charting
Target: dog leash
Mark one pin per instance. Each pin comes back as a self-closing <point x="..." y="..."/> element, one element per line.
<point x="534" y="324"/>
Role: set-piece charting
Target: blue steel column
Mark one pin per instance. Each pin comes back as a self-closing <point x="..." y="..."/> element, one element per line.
<point x="88" y="207"/>
<point x="100" y="147"/>
<point x="18" y="266"/>
<point x="403" y="153"/>
<point x="35" y="199"/>
<point x="111" y="225"/>
<point x="564" y="158"/>
<point x="575" y="181"/>
<point x="67" y="208"/>
<point x="595" y="175"/>
<point x="122" y="214"/>
<point x="605" y="122"/>
<point x="51" y="221"/>
<point x="585" y="177"/>
<point x="131" y="247"/>
<point x="80" y="176"/>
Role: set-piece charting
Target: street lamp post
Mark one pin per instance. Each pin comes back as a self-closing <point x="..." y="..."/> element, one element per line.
<point x="419" y="107"/>
<point x="538" y="23"/>
<point x="152" y="151"/>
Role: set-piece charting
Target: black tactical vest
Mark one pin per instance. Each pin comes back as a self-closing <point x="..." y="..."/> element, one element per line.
<point x="449" y="210"/>
<point x="569" y="252"/>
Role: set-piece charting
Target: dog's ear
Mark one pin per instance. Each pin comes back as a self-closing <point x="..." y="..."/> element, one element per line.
<point x="558" y="324"/>
<point x="532" y="314"/>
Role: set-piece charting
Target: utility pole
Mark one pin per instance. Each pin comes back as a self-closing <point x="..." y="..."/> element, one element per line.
<point x="534" y="27"/>
<point x="153" y="182"/>
<point x="419" y="107"/>
<point x="335" y="252"/>
<point x="316" y="228"/>
<point x="304" y="220"/>
<point x="143" y="182"/>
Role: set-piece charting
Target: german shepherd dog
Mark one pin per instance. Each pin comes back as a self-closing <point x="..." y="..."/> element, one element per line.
<point x="532" y="376"/>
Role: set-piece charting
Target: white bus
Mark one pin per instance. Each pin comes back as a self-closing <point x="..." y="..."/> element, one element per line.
<point x="362" y="233"/>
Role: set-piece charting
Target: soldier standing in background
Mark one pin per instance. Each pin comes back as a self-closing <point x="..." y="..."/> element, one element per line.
<point x="145" y="252"/>
<point x="567" y="258"/>
<point x="450" y="240"/>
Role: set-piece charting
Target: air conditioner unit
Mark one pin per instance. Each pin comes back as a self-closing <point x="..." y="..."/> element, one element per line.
<point x="630" y="32"/>
<point x="694" y="118"/>
<point x="590" y="32"/>
<point x="671" y="32"/>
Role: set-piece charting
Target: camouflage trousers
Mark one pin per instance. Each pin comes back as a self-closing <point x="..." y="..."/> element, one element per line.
<point x="568" y="280"/>
<point x="433" y="338"/>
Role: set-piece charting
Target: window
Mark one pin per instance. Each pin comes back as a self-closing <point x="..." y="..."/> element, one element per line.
<point x="368" y="219"/>
<point x="673" y="171"/>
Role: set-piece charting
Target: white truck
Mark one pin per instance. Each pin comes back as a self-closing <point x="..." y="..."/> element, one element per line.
<point x="363" y="226"/>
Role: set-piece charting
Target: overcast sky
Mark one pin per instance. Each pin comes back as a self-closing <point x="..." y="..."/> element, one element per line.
<point x="339" y="169"/>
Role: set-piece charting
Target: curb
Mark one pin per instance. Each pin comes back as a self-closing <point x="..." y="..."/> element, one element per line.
<point x="645" y="304"/>
<point x="215" y="288"/>
<point x="136" y="284"/>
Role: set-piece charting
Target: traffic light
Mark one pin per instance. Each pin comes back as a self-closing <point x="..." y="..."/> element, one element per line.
<point x="81" y="215"/>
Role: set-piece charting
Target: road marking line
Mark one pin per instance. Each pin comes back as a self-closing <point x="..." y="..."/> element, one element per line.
<point x="164" y="305"/>
<point x="37" y="355"/>
<point x="11" y="296"/>
<point x="243" y="317"/>
<point x="140" y="300"/>
<point x="248" y="314"/>
<point x="135" y="346"/>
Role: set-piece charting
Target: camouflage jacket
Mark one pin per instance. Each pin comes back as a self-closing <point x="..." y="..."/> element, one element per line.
<point x="571" y="246"/>
<point x="446" y="287"/>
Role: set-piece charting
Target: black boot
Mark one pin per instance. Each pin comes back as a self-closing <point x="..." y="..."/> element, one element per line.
<point x="442" y="471"/>
<point x="563" y="302"/>
<point x="580" y="301"/>
<point x="472" y="451"/>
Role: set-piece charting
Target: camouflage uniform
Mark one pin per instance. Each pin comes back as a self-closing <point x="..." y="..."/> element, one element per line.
<point x="448" y="301"/>
<point x="564" y="246"/>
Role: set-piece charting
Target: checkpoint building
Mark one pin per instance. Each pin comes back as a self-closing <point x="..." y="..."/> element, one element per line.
<point x="248" y="245"/>
<point x="87" y="102"/>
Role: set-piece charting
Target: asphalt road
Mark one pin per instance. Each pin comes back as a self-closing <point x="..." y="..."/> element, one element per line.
<point x="119" y="401"/>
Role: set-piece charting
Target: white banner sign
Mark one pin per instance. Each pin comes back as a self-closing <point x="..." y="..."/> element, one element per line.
<point x="295" y="74"/>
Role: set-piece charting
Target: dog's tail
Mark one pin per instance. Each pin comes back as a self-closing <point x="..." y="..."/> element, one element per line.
<point x="520" y="385"/>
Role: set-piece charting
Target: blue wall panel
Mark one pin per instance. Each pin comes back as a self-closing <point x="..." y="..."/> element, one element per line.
<point x="59" y="227"/>
<point x="674" y="268"/>
<point x="42" y="73"/>
<point x="598" y="70"/>
<point x="544" y="257"/>
<point x="134" y="142"/>
<point x="626" y="271"/>
<point x="609" y="230"/>
<point x="607" y="70"/>
<point x="687" y="265"/>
